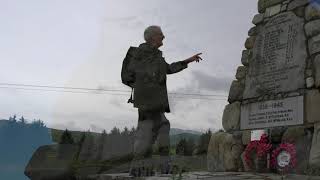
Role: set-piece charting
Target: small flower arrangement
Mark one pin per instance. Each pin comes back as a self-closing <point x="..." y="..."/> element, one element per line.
<point x="260" y="147"/>
<point x="289" y="148"/>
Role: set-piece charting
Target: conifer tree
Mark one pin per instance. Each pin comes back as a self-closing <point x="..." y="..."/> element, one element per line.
<point x="115" y="131"/>
<point x="66" y="138"/>
<point x="82" y="138"/>
<point x="101" y="143"/>
<point x="22" y="120"/>
<point x="181" y="147"/>
<point x="204" y="142"/>
<point x="132" y="131"/>
<point x="189" y="147"/>
<point x="125" y="131"/>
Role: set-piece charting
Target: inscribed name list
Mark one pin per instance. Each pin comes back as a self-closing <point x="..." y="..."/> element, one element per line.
<point x="279" y="57"/>
<point x="273" y="113"/>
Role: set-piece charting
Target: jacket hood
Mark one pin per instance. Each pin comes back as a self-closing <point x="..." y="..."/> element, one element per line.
<point x="147" y="47"/>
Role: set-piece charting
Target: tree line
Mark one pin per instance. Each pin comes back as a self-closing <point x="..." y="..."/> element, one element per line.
<point x="185" y="146"/>
<point x="188" y="147"/>
<point x="67" y="138"/>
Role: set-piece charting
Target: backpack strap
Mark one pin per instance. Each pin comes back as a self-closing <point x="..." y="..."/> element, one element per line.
<point x="130" y="100"/>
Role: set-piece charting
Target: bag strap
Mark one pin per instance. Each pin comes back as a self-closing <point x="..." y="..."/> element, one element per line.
<point x="130" y="100"/>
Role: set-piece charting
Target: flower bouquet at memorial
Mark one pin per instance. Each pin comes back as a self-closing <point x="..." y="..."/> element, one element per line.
<point x="255" y="154"/>
<point x="284" y="158"/>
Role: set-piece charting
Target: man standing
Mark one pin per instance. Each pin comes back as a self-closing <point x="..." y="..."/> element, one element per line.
<point x="144" y="69"/>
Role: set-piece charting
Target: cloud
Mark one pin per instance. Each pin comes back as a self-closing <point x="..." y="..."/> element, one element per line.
<point x="212" y="83"/>
<point x="70" y="125"/>
<point x="117" y="19"/>
<point x="202" y="83"/>
<point x="95" y="119"/>
<point x="95" y="128"/>
<point x="106" y="30"/>
<point x="197" y="114"/>
<point x="125" y="22"/>
<point x="188" y="112"/>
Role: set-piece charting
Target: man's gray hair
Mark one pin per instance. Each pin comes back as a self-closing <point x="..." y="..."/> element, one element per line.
<point x="150" y="32"/>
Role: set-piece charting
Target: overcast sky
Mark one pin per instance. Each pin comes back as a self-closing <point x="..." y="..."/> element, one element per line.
<point x="81" y="43"/>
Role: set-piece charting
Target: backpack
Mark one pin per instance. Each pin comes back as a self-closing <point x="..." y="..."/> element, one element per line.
<point x="127" y="71"/>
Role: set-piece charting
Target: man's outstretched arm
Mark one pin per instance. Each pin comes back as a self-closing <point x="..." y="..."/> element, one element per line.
<point x="180" y="65"/>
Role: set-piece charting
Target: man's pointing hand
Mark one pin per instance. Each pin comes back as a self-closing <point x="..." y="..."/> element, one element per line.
<point x="196" y="58"/>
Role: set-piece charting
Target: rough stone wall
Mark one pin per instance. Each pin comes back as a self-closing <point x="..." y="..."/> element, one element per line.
<point x="304" y="81"/>
<point x="225" y="152"/>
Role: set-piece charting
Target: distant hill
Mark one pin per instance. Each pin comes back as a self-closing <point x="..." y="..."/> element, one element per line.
<point x="175" y="134"/>
<point x="175" y="131"/>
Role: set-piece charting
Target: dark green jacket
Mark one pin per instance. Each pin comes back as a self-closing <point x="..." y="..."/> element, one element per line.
<point x="148" y="76"/>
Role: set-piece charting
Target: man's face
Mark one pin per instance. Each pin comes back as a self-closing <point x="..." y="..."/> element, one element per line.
<point x="157" y="39"/>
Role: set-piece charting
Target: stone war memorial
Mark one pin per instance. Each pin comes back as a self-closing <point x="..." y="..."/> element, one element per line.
<point x="276" y="89"/>
<point x="271" y="124"/>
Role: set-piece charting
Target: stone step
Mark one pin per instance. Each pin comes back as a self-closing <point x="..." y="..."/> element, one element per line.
<point x="208" y="176"/>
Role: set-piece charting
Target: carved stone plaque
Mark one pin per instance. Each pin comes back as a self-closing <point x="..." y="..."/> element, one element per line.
<point x="273" y="113"/>
<point x="279" y="57"/>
